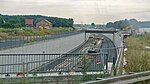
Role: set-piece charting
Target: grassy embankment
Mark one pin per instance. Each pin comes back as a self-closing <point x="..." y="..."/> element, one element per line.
<point x="137" y="55"/>
<point x="7" y="33"/>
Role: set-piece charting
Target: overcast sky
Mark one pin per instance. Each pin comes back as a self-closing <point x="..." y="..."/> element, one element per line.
<point x="85" y="11"/>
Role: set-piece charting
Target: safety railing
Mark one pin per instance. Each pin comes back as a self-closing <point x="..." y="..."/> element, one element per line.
<point x="41" y="63"/>
<point x="124" y="79"/>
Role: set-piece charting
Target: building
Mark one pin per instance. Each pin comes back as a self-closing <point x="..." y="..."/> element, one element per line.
<point x="29" y="22"/>
<point x="45" y="24"/>
<point x="144" y="30"/>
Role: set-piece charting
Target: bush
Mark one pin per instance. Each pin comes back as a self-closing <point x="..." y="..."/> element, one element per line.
<point x="3" y="35"/>
<point x="137" y="56"/>
<point x="32" y="32"/>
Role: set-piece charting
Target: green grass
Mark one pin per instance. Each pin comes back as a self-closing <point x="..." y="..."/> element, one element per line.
<point x="7" y="33"/>
<point x="48" y="80"/>
<point x="137" y="56"/>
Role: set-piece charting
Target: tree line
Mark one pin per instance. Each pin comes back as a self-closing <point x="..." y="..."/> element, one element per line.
<point x="17" y="21"/>
<point x="131" y="23"/>
<point x="119" y="24"/>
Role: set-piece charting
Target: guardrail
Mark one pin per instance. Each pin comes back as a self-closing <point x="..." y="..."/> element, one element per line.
<point x="124" y="79"/>
<point x="62" y="79"/>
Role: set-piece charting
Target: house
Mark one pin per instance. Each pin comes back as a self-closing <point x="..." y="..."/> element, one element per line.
<point x="45" y="24"/>
<point x="29" y="22"/>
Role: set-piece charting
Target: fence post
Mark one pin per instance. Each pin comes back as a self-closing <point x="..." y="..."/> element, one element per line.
<point x="27" y="69"/>
<point x="114" y="69"/>
<point x="23" y="64"/>
<point x="106" y="63"/>
<point x="23" y="78"/>
<point x="44" y="60"/>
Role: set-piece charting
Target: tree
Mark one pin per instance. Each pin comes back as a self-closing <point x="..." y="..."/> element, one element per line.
<point x="109" y="25"/>
<point x="93" y="24"/>
<point x="1" y="21"/>
<point x="8" y="25"/>
<point x="19" y="20"/>
<point x="16" y="21"/>
<point x="121" y="24"/>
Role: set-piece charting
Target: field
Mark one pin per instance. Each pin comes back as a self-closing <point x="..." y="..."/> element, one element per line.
<point x="137" y="55"/>
<point x="8" y="33"/>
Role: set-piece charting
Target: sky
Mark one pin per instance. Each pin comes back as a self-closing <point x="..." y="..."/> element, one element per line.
<point x="82" y="11"/>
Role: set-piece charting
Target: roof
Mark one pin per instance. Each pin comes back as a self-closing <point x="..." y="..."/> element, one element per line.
<point x="47" y="21"/>
<point x="39" y="20"/>
<point x="28" y="21"/>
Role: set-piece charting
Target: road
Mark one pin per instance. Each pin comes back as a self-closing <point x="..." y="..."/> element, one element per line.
<point x="60" y="45"/>
<point x="23" y="40"/>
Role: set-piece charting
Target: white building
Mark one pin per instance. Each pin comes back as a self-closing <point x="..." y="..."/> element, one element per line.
<point x="143" y="30"/>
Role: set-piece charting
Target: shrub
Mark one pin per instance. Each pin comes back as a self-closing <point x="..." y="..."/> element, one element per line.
<point x="137" y="56"/>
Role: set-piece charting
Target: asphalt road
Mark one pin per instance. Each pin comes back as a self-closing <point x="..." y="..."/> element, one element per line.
<point x="22" y="41"/>
<point x="60" y="45"/>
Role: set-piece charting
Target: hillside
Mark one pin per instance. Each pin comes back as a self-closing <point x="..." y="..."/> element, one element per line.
<point x="131" y="23"/>
<point x="19" y="20"/>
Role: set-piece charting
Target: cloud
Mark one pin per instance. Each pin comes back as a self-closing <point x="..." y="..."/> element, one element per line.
<point x="81" y="10"/>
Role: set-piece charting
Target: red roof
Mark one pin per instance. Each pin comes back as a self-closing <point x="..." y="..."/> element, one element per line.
<point x="98" y="62"/>
<point x="28" y="21"/>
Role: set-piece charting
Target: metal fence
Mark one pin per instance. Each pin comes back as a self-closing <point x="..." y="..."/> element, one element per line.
<point x="21" y="40"/>
<point x="38" y="68"/>
<point x="42" y="63"/>
<point x="125" y="79"/>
